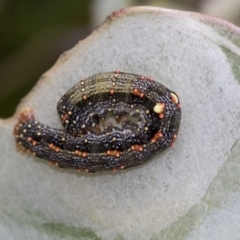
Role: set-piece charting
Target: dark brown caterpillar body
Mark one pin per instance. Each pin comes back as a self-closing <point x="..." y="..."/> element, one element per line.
<point x="152" y="117"/>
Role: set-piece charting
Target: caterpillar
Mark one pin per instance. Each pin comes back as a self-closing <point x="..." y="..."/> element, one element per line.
<point x="146" y="114"/>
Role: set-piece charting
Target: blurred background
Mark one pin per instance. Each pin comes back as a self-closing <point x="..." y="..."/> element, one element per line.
<point x="34" y="33"/>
